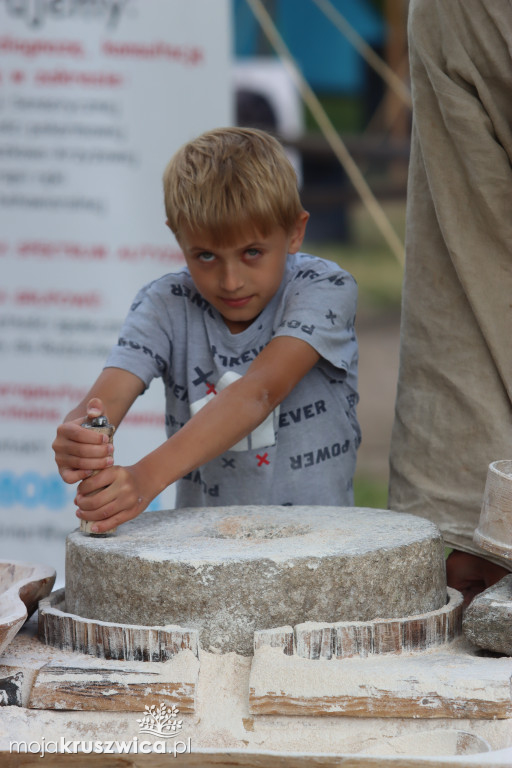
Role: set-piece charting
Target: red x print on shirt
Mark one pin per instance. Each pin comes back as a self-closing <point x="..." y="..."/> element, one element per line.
<point x="262" y="459"/>
<point x="211" y="388"/>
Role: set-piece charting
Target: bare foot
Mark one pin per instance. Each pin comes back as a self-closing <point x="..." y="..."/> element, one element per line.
<point x="471" y="574"/>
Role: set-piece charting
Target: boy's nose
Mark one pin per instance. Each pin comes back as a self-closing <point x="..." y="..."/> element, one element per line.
<point x="231" y="278"/>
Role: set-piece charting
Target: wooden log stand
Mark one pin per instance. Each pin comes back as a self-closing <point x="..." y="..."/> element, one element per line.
<point x="110" y="640"/>
<point x="346" y="639"/>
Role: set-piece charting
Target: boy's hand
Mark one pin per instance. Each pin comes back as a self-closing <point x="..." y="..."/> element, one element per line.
<point x="111" y="497"/>
<point x="80" y="451"/>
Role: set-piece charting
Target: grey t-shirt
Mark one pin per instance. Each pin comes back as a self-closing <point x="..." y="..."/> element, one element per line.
<point x="305" y="451"/>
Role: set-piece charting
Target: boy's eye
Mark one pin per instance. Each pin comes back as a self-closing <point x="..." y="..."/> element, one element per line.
<point x="252" y="253"/>
<point x="206" y="256"/>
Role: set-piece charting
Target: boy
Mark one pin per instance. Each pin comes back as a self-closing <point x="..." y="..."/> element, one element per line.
<point x="254" y="341"/>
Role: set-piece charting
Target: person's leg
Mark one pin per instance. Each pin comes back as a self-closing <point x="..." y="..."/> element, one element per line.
<point x="471" y="574"/>
<point x="453" y="410"/>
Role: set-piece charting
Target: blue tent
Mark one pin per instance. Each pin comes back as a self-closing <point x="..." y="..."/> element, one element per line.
<point x="328" y="61"/>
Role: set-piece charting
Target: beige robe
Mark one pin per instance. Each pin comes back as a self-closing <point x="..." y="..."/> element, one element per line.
<point x="453" y="409"/>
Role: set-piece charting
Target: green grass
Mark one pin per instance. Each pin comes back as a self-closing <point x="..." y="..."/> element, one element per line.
<point x="370" y="491"/>
<point x="346" y="113"/>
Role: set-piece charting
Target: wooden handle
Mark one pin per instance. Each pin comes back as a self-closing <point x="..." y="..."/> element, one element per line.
<point x="105" y="429"/>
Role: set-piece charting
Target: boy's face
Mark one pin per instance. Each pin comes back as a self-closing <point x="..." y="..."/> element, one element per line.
<point x="240" y="279"/>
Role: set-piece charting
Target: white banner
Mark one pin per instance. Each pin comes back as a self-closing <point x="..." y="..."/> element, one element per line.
<point x="95" y="96"/>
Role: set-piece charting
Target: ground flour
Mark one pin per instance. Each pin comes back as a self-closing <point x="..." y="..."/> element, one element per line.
<point x="222" y="719"/>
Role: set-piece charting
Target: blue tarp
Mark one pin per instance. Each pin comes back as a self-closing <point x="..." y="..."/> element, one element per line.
<point x="328" y="61"/>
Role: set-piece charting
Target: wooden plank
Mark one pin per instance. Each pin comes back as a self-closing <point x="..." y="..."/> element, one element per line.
<point x="225" y="758"/>
<point x="452" y="684"/>
<point x="387" y="705"/>
<point x="93" y="684"/>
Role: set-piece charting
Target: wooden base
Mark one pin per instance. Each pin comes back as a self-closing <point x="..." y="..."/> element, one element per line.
<point x="109" y="640"/>
<point x="346" y="639"/>
<point x="228" y="758"/>
<point x="116" y="686"/>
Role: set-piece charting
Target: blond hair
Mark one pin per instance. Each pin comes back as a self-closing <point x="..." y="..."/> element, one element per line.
<point x="231" y="180"/>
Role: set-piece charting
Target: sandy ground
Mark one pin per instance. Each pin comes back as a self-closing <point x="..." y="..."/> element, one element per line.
<point x="378" y="371"/>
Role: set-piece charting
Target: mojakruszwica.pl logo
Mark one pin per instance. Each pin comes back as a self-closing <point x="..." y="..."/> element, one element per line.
<point x="159" y="722"/>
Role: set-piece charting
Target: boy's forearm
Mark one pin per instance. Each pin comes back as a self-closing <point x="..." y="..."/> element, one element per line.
<point x="123" y="492"/>
<point x="232" y="414"/>
<point x="229" y="417"/>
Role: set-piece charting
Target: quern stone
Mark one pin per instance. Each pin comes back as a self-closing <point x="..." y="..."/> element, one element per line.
<point x="488" y="620"/>
<point x="229" y="571"/>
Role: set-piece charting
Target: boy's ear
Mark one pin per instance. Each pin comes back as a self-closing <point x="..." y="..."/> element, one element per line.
<point x="298" y="232"/>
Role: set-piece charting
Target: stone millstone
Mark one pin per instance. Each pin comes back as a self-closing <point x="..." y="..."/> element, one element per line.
<point x="229" y="571"/>
<point x="488" y="620"/>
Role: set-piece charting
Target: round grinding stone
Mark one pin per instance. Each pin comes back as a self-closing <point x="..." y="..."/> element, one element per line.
<point x="228" y="571"/>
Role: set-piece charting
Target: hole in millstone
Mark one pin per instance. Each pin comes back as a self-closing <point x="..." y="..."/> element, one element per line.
<point x="245" y="528"/>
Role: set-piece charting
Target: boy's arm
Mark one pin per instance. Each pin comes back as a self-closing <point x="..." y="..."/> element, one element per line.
<point x="230" y="416"/>
<point x="79" y="451"/>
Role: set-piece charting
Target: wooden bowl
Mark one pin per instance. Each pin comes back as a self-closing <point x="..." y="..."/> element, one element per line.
<point x="494" y="532"/>
<point x="22" y="585"/>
